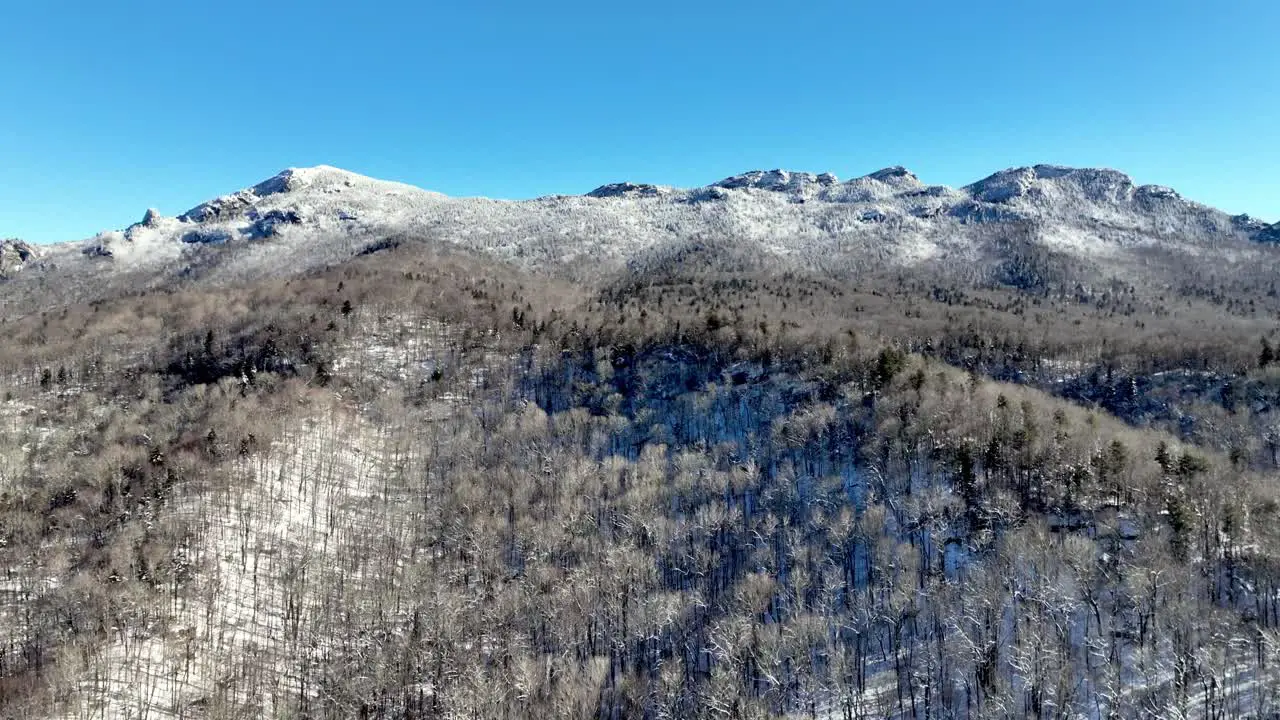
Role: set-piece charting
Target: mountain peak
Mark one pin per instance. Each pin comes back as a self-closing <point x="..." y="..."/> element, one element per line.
<point x="1097" y="184"/>
<point x="629" y="189"/>
<point x="313" y="205"/>
<point x="317" y="182"/>
<point x="297" y="178"/>
<point x="777" y="180"/>
<point x="285" y="181"/>
<point x="895" y="175"/>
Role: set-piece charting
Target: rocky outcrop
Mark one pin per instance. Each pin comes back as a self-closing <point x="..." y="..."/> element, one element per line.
<point x="227" y="207"/>
<point x="151" y="220"/>
<point x="206" y="236"/>
<point x="627" y="189"/>
<point x="97" y="250"/>
<point x="1035" y="184"/>
<point x="896" y="175"/>
<point x="972" y="211"/>
<point x="777" y="181"/>
<point x="270" y="223"/>
<point x="1245" y="223"/>
<point x="313" y="216"/>
<point x="14" y="255"/>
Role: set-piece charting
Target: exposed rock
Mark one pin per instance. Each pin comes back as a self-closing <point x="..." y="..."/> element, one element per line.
<point x="205" y="236"/>
<point x="805" y="219"/>
<point x="14" y="254"/>
<point x="1004" y="186"/>
<point x="776" y="180"/>
<point x="626" y="189"/>
<point x="970" y="211"/>
<point x="895" y="175"/>
<point x="269" y="224"/>
<point x="280" y="183"/>
<point x="15" y="248"/>
<point x="1156" y="192"/>
<point x="1093" y="184"/>
<point x="933" y="191"/>
<point x="707" y="194"/>
<point x="379" y="246"/>
<point x="226" y="207"/>
<point x="1247" y="224"/>
<point x="151" y="220"/>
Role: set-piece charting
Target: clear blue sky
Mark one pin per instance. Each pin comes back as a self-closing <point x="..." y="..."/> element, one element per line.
<point x="107" y="108"/>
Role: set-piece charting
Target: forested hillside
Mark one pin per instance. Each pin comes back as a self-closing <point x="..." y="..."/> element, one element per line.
<point x="419" y="482"/>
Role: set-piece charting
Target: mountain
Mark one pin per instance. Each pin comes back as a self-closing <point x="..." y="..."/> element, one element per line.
<point x="310" y="217"/>
<point x="780" y="446"/>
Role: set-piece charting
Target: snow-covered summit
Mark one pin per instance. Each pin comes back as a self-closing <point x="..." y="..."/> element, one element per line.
<point x="1097" y="197"/>
<point x="324" y="178"/>
<point x="629" y="189"/>
<point x="306" y="186"/>
<point x="1040" y="181"/>
<point x="882" y="186"/>
<point x="304" y="217"/>
<point x="896" y="175"/>
<point x="776" y="180"/>
<point x="314" y="201"/>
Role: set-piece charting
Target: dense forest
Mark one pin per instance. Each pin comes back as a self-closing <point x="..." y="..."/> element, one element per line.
<point x="420" y="483"/>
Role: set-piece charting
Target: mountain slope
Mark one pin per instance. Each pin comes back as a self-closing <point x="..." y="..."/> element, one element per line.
<point x="426" y="484"/>
<point x="336" y="447"/>
<point x="312" y="217"/>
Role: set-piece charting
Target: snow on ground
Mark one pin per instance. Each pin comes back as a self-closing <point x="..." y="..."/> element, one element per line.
<point x="293" y="529"/>
<point x="15" y="423"/>
<point x="267" y="542"/>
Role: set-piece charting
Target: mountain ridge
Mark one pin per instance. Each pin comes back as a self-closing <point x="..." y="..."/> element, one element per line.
<point x="1004" y="187"/>
<point x="311" y="217"/>
<point x="999" y="187"/>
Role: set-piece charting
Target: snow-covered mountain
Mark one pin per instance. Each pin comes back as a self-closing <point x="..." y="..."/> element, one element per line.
<point x="305" y="217"/>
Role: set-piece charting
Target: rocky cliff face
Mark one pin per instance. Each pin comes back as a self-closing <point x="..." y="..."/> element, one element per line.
<point x="1269" y="233"/>
<point x="14" y="255"/>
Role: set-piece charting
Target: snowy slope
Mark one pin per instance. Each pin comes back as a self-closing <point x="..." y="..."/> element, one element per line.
<point x="306" y="217"/>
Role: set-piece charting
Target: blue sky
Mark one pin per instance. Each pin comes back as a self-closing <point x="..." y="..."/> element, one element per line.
<point x="107" y="108"/>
